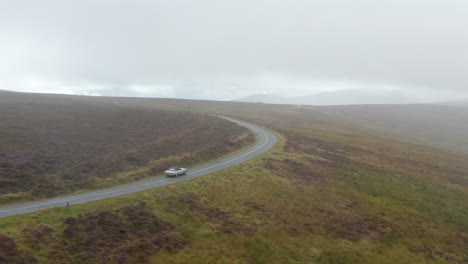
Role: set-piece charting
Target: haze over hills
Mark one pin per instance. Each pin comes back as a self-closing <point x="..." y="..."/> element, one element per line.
<point x="461" y="102"/>
<point x="265" y="98"/>
<point x="340" y="97"/>
<point x="439" y="126"/>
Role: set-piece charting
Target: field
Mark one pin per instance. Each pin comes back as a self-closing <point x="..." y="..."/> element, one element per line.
<point x="439" y="126"/>
<point x="331" y="191"/>
<point x="54" y="147"/>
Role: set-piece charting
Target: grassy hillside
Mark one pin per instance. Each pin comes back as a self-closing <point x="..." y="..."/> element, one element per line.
<point x="52" y="146"/>
<point x="438" y="126"/>
<point x="329" y="192"/>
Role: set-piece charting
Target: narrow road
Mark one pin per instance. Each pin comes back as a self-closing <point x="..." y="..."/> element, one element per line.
<point x="266" y="140"/>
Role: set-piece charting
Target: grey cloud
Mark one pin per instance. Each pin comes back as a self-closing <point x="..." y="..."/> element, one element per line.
<point x="222" y="49"/>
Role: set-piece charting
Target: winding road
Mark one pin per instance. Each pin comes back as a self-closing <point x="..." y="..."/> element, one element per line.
<point x="266" y="140"/>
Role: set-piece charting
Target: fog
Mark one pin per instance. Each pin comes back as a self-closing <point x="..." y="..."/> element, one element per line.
<point x="224" y="50"/>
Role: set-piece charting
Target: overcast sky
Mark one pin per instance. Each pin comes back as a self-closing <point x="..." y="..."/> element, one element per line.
<point x="229" y="49"/>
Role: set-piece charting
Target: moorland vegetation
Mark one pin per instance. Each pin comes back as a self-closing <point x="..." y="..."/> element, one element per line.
<point x="331" y="191"/>
<point x="55" y="147"/>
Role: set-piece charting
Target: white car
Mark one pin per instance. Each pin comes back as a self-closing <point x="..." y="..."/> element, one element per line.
<point x="175" y="171"/>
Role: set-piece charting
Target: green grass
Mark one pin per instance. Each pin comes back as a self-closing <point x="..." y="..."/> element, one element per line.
<point x="436" y="200"/>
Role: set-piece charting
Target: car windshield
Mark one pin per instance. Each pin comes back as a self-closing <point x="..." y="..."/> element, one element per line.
<point x="173" y="169"/>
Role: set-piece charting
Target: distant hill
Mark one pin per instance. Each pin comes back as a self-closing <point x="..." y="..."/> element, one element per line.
<point x="461" y="102"/>
<point x="341" y="97"/>
<point x="440" y="126"/>
<point x="264" y="98"/>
